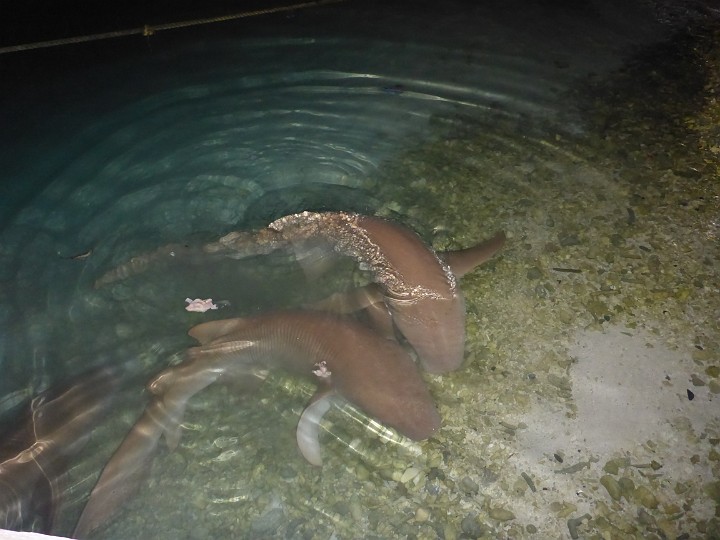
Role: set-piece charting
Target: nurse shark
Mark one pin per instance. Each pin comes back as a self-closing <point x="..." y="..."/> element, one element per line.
<point x="346" y="359"/>
<point x="413" y="284"/>
<point x="413" y="289"/>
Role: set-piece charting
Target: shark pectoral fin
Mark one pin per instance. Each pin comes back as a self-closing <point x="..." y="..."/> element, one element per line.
<point x="465" y="260"/>
<point x="172" y="428"/>
<point x="210" y="331"/>
<point x="202" y="367"/>
<point x="172" y="437"/>
<point x="308" y="428"/>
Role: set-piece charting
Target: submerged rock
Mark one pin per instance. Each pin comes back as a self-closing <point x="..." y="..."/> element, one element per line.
<point x="501" y="514"/>
<point x="471" y="527"/>
<point x="267" y="522"/>
<point x="646" y="498"/>
<point x="612" y="486"/>
<point x="469" y="486"/>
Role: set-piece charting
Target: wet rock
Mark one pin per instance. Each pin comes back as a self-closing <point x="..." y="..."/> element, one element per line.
<point x="268" y="522"/>
<point x="691" y="173"/>
<point x="433" y="488"/>
<point x="519" y="487"/>
<point x="449" y="532"/>
<point x="534" y="273"/>
<point x="471" y="527"/>
<point x="672" y="509"/>
<point x="293" y="527"/>
<point x="409" y="474"/>
<point x="612" y="486"/>
<point x="573" y="525"/>
<point x="569" y="239"/>
<point x="501" y="514"/>
<point x="563" y="509"/>
<point x="712" y="489"/>
<point x="341" y="507"/>
<point x="199" y="532"/>
<point x="356" y="510"/>
<point x="627" y="486"/>
<point x="646" y="498"/>
<point x="646" y="519"/>
<point x="529" y="481"/>
<point x="613" y="466"/>
<point x="617" y="240"/>
<point x="422" y="514"/>
<point x="469" y="486"/>
<point x="488" y="476"/>
<point x="598" y="309"/>
<point x="362" y="473"/>
<point x="288" y="473"/>
<point x="561" y="383"/>
<point x="177" y="462"/>
<point x="544" y="290"/>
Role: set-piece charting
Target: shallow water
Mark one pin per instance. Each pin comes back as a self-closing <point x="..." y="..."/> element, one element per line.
<point x="458" y="121"/>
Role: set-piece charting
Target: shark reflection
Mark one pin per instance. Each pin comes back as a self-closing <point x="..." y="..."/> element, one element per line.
<point x="36" y="454"/>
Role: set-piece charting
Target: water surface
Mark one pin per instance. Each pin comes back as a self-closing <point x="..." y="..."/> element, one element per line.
<point x="457" y="120"/>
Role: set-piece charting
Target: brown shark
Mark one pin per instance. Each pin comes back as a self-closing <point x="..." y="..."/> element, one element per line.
<point x="35" y="456"/>
<point x="345" y="357"/>
<point x="417" y="286"/>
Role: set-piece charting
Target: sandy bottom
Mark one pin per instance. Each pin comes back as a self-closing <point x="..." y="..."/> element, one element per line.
<point x="631" y="410"/>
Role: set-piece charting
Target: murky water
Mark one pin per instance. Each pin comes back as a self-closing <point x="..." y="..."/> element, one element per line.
<point x="456" y="120"/>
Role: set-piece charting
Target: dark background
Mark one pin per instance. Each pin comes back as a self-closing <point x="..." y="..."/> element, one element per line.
<point x="34" y="20"/>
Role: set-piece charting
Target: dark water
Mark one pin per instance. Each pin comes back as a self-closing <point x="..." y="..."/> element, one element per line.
<point x="454" y="118"/>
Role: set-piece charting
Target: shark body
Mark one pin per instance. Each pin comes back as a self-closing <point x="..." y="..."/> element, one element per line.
<point x="345" y="358"/>
<point x="414" y="291"/>
<point x="36" y="454"/>
<point x="416" y="287"/>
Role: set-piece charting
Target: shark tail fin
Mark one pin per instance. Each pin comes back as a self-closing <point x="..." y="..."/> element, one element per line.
<point x="465" y="260"/>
